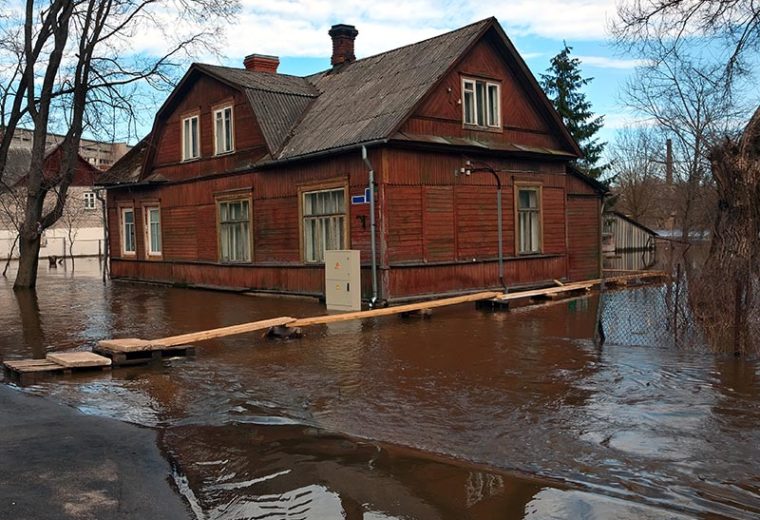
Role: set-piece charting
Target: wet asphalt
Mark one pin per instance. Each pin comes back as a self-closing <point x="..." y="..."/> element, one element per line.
<point x="58" y="463"/>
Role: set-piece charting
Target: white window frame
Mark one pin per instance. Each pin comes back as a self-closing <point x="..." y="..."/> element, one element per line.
<point x="484" y="109"/>
<point x="227" y="126"/>
<point x="227" y="225"/>
<point x="90" y="201"/>
<point x="314" y="257"/>
<point x="149" y="250"/>
<point x="191" y="150"/>
<point x="124" y="233"/>
<point x="533" y="249"/>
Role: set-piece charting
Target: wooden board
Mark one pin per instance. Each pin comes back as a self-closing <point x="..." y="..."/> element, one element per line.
<point x="124" y="345"/>
<point x="78" y="359"/>
<point x="389" y="311"/>
<point x="24" y="366"/>
<point x="194" y="337"/>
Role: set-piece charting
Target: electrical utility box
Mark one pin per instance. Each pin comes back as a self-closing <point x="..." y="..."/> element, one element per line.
<point x="343" y="287"/>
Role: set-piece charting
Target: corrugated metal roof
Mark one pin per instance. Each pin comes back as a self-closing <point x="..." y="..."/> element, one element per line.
<point x="277" y="114"/>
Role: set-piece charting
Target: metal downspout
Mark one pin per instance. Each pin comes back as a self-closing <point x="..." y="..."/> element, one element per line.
<point x="372" y="225"/>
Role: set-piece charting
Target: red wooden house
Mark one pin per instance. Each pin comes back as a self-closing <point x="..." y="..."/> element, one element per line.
<point x="249" y="175"/>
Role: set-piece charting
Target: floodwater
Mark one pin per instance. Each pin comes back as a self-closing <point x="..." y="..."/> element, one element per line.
<point x="469" y="414"/>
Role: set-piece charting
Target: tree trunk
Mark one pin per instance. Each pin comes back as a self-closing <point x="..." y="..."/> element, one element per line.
<point x="29" y="259"/>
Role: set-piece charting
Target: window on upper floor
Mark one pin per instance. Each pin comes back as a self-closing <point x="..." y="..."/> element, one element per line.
<point x="89" y="200"/>
<point x="223" y="141"/>
<point x="191" y="148"/>
<point x="481" y="103"/>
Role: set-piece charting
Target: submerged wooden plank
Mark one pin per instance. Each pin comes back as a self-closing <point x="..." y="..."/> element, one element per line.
<point x="78" y="359"/>
<point x="389" y="311"/>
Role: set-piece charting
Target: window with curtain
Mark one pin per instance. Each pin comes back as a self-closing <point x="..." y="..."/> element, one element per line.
<point x="324" y="219"/>
<point x="235" y="230"/>
<point x="528" y="220"/>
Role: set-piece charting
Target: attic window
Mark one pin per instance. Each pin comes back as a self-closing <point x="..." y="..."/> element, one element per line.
<point x="223" y="130"/>
<point x="190" y="138"/>
<point x="481" y="103"/>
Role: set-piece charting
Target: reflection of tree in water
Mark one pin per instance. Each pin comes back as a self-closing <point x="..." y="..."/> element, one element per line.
<point x="29" y="310"/>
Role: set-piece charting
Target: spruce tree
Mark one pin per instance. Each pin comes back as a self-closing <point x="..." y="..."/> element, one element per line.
<point x="563" y="83"/>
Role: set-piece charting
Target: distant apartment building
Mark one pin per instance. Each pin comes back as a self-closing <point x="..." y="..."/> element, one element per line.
<point x="98" y="153"/>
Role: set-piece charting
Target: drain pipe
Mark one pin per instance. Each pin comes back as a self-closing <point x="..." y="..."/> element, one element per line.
<point x="372" y="225"/>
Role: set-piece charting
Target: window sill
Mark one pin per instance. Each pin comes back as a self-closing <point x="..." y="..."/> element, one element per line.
<point x="191" y="159"/>
<point x="222" y="154"/>
<point x="477" y="128"/>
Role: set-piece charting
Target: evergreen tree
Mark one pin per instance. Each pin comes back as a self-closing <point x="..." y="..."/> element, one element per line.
<point x="563" y="83"/>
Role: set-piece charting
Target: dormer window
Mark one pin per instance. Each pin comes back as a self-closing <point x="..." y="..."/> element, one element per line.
<point x="223" y="142"/>
<point x="481" y="106"/>
<point x="190" y="138"/>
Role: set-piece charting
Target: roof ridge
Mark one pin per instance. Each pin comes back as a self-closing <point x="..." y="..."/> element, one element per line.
<point x="243" y="69"/>
<point x="408" y="45"/>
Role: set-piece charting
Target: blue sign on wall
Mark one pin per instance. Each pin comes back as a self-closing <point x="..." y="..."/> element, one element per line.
<point x="361" y="199"/>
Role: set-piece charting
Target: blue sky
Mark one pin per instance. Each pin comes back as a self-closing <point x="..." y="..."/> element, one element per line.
<point x="296" y="31"/>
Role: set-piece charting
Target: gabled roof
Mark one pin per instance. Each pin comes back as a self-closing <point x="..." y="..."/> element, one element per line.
<point x="364" y="101"/>
<point x="16" y="167"/>
<point x="635" y="223"/>
<point x="370" y="98"/>
<point x="19" y="160"/>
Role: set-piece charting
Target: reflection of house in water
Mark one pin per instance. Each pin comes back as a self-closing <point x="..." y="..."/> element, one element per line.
<point x="626" y="243"/>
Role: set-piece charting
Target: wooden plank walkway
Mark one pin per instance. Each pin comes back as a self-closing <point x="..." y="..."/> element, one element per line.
<point x="127" y="351"/>
<point x="58" y="362"/>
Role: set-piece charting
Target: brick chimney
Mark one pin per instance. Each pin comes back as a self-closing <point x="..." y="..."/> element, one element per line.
<point x="261" y="63"/>
<point x="343" y="37"/>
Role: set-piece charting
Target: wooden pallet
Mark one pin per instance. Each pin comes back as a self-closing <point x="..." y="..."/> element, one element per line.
<point x="133" y="351"/>
<point x="58" y="362"/>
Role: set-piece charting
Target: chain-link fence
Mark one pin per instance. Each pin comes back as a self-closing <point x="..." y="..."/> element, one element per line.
<point x="693" y="308"/>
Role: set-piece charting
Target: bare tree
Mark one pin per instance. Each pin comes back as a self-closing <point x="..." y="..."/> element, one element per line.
<point x="637" y="166"/>
<point x="72" y="65"/>
<point x="683" y="99"/>
<point x="732" y="26"/>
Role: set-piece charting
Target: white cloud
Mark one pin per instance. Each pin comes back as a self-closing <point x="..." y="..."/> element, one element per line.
<point x="605" y="62"/>
<point x="298" y="28"/>
<point x="568" y="19"/>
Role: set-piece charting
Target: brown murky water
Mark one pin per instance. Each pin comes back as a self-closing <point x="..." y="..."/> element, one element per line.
<point x="469" y="414"/>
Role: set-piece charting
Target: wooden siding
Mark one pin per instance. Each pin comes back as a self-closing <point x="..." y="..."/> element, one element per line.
<point x="584" y="256"/>
<point x="429" y="280"/>
<point x="522" y="121"/>
<point x="437" y="231"/>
